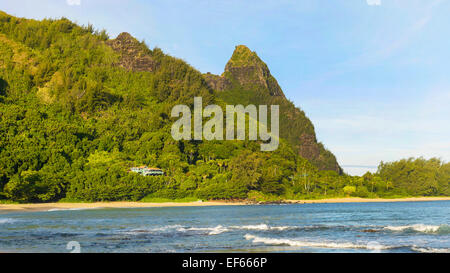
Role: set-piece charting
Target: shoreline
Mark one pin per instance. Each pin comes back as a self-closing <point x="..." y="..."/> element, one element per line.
<point x="368" y="200"/>
<point x="11" y="208"/>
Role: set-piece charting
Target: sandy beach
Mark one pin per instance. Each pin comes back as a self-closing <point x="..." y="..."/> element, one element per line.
<point x="98" y="205"/>
<point x="368" y="200"/>
<point x="6" y="208"/>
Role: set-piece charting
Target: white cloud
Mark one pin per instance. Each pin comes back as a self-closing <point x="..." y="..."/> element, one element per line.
<point x="373" y="2"/>
<point x="73" y="2"/>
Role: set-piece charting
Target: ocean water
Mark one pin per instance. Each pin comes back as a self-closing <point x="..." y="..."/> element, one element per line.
<point x="345" y="227"/>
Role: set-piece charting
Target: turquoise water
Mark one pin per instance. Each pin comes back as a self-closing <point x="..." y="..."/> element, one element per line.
<point x="349" y="227"/>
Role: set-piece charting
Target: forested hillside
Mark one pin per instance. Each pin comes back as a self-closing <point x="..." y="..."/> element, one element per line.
<point x="78" y="109"/>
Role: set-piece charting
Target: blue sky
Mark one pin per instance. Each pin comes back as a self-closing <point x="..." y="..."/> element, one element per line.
<point x="372" y="75"/>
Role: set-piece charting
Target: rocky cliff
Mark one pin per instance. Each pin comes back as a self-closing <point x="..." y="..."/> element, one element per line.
<point x="133" y="54"/>
<point x="247" y="69"/>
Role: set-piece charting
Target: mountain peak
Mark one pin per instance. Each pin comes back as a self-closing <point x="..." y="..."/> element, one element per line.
<point x="125" y="36"/>
<point x="242" y="56"/>
<point x="133" y="54"/>
<point x="250" y="71"/>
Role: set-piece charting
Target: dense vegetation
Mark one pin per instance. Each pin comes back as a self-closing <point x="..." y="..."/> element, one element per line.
<point x="73" y="121"/>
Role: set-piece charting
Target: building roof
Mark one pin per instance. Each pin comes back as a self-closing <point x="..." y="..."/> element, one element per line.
<point x="146" y="168"/>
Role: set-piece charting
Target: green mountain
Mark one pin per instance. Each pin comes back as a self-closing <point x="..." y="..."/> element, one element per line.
<point x="247" y="80"/>
<point x="78" y="110"/>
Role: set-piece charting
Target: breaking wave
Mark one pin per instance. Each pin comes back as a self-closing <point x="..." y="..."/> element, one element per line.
<point x="323" y="244"/>
<point x="209" y="230"/>
<point x="7" y="220"/>
<point x="153" y="230"/>
<point x="430" y="249"/>
<point x="217" y="229"/>
<point x="264" y="227"/>
<point x="432" y="229"/>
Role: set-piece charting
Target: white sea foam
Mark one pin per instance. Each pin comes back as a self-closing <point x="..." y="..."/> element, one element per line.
<point x="301" y="243"/>
<point x="221" y="229"/>
<point x="252" y="227"/>
<point x="215" y="230"/>
<point x="263" y="227"/>
<point x="154" y="230"/>
<point x="430" y="249"/>
<point x="72" y="209"/>
<point x="7" y="220"/>
<point x="166" y="228"/>
<point x="210" y="230"/>
<point x="420" y="228"/>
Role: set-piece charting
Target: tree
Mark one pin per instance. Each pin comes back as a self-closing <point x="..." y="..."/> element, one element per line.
<point x="349" y="190"/>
